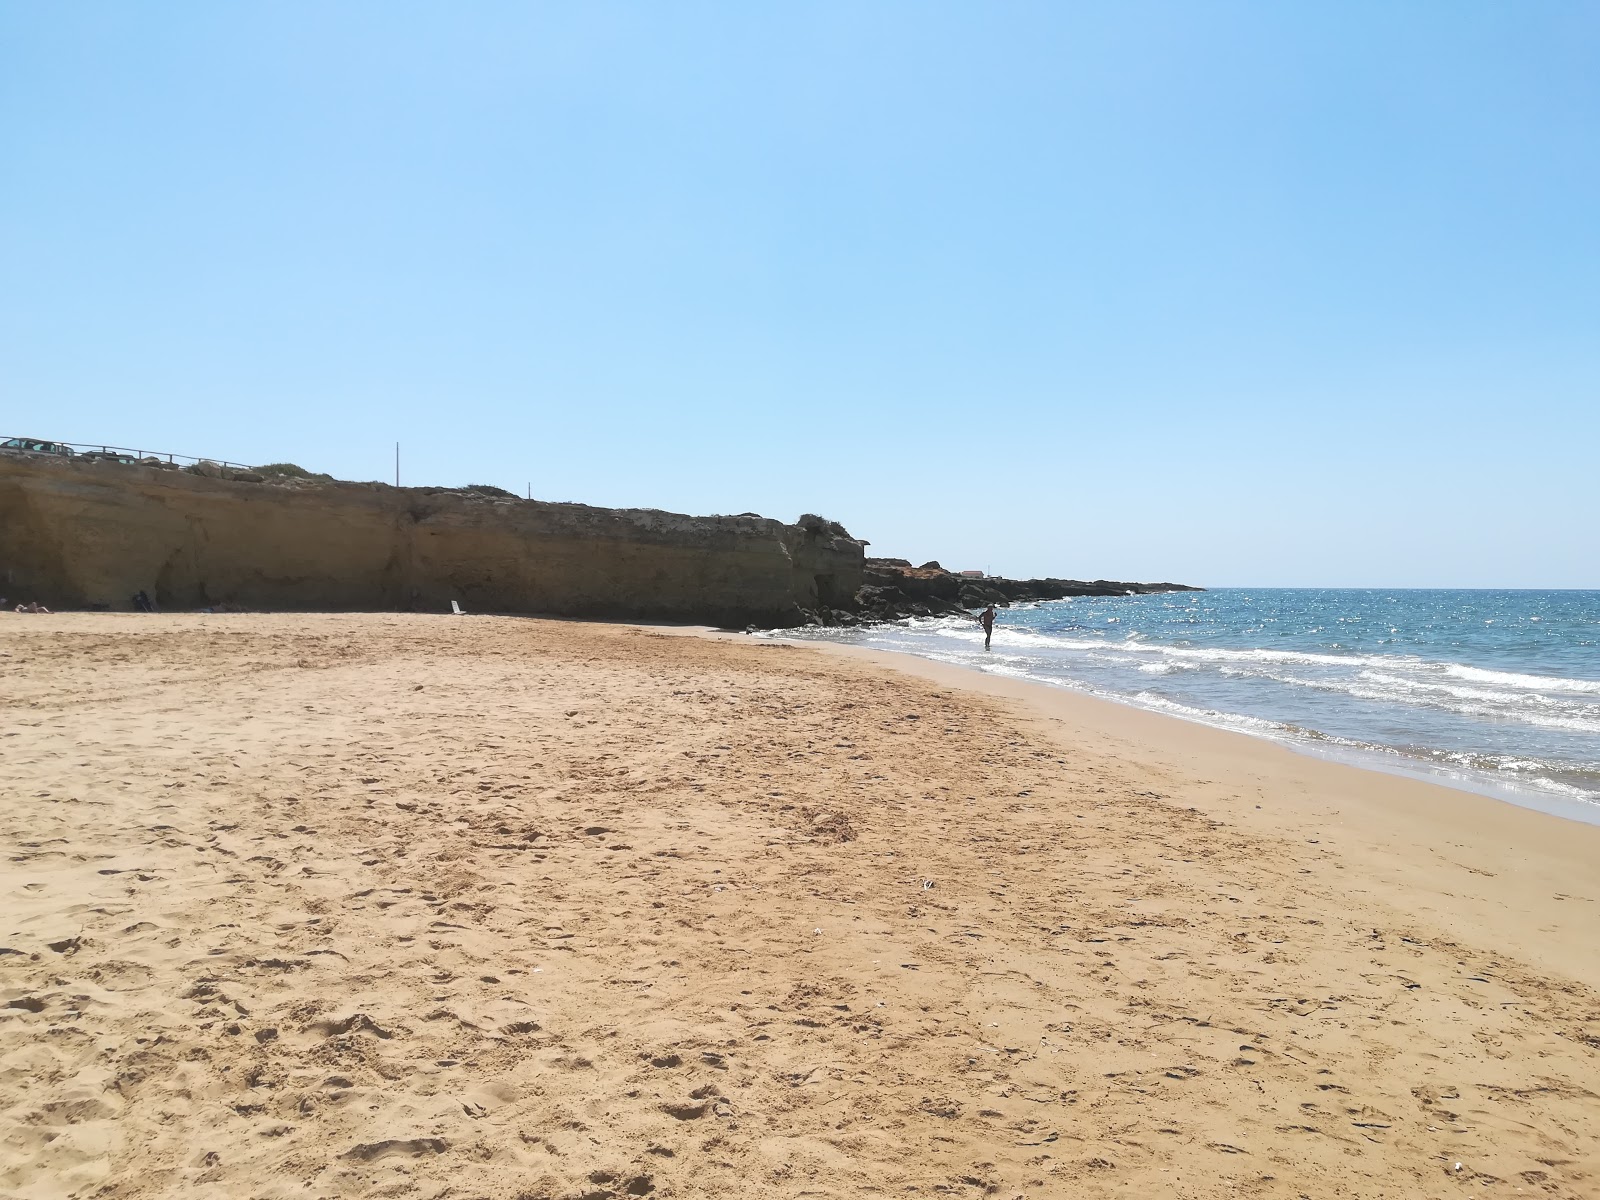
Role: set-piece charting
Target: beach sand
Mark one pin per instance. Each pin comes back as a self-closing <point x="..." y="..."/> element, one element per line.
<point x="486" y="907"/>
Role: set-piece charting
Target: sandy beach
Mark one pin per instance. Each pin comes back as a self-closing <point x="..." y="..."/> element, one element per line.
<point x="488" y="907"/>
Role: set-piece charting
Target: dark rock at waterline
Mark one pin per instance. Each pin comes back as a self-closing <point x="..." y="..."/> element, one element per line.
<point x="894" y="590"/>
<point x="976" y="595"/>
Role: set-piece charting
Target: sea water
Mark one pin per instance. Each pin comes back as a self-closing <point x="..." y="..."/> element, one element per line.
<point x="1492" y="691"/>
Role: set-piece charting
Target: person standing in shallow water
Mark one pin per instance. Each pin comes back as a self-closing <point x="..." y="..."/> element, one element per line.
<point x="986" y="619"/>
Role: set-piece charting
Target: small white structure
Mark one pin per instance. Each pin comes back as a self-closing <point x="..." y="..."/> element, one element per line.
<point x="455" y="609"/>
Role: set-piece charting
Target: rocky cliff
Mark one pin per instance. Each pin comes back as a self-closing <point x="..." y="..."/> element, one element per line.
<point x="92" y="534"/>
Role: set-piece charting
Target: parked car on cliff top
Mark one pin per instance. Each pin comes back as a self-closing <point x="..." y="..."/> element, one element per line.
<point x="24" y="445"/>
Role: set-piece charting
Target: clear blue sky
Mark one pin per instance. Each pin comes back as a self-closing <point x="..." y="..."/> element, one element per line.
<point x="1270" y="293"/>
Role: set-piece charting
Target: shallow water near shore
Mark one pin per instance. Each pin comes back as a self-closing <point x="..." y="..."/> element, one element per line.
<point x="1495" y="692"/>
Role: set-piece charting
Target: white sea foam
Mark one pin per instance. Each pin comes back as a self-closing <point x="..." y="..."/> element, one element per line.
<point x="1210" y="716"/>
<point x="1566" y="790"/>
<point x="1575" y="723"/>
<point x="1197" y="654"/>
<point x="1525" y="709"/>
<point x="1538" y="683"/>
<point x="1135" y="643"/>
<point x="1448" y="689"/>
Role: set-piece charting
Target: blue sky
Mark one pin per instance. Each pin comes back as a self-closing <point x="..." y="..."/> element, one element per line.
<point x="1298" y="294"/>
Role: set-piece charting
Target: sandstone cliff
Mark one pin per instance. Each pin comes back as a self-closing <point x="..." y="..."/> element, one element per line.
<point x="91" y="534"/>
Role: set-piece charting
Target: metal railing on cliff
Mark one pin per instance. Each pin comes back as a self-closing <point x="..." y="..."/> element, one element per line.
<point x="30" y="445"/>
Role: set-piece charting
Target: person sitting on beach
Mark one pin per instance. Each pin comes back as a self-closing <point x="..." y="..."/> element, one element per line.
<point x="35" y="607"/>
<point x="986" y="619"/>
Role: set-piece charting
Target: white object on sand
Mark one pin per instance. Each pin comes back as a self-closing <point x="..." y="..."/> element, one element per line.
<point x="455" y="609"/>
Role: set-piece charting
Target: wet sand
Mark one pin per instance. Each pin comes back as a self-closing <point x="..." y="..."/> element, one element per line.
<point x="423" y="906"/>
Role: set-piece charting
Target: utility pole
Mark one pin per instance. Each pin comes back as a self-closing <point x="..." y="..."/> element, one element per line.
<point x="530" y="491"/>
<point x="397" y="464"/>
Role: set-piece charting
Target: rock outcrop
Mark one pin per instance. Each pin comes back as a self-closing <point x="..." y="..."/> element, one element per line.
<point x="893" y="589"/>
<point x="91" y="534"/>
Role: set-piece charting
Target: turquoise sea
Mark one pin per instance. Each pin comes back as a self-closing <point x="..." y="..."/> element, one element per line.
<point x="1492" y="691"/>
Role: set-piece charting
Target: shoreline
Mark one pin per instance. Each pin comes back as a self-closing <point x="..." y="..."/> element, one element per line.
<point x="1392" y="822"/>
<point x="1383" y="760"/>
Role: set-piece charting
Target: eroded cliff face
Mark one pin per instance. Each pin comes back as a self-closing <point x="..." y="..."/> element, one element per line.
<point x="90" y="534"/>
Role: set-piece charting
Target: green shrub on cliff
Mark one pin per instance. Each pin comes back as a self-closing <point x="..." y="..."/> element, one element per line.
<point x="821" y="526"/>
<point x="291" y="471"/>
<point x="488" y="489"/>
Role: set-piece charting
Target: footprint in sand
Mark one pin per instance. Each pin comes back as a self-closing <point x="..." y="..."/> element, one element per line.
<point x="355" y="1023"/>
<point x="408" y="1147"/>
